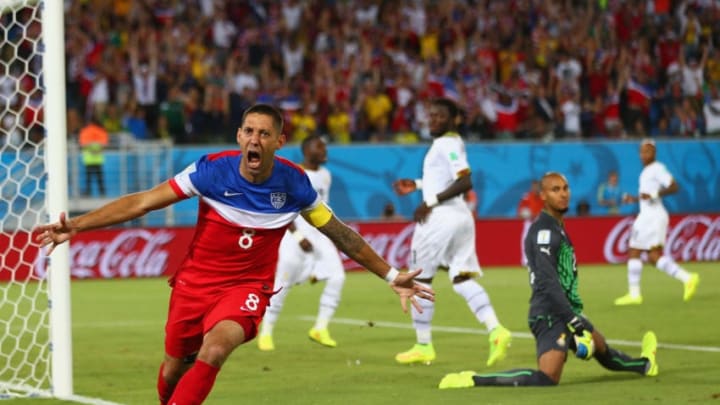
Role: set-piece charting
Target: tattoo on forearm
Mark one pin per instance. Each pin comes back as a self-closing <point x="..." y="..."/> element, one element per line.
<point x="344" y="237"/>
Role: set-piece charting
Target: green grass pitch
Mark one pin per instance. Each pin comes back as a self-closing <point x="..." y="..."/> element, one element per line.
<point x="118" y="343"/>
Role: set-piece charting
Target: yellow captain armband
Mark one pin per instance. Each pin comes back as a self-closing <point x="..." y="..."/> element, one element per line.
<point x="318" y="216"/>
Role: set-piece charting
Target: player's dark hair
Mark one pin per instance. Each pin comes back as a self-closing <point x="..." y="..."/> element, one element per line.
<point x="308" y="140"/>
<point x="266" y="109"/>
<point x="450" y="105"/>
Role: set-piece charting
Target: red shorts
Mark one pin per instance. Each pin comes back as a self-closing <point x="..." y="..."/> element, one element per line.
<point x="191" y="316"/>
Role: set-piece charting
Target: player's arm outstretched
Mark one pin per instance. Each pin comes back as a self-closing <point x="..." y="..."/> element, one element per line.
<point x="353" y="245"/>
<point x="125" y="208"/>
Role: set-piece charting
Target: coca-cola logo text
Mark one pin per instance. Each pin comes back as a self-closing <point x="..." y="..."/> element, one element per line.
<point x="393" y="246"/>
<point x="132" y="253"/>
<point x="693" y="238"/>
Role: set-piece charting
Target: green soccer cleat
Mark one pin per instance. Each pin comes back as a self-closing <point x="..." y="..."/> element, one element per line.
<point x="649" y="349"/>
<point x="463" y="379"/>
<point x="690" y="286"/>
<point x="500" y="339"/>
<point x="628" y="300"/>
<point x="322" y="336"/>
<point x="265" y="343"/>
<point x="424" y="354"/>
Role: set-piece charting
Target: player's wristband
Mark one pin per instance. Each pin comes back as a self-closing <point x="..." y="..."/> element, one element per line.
<point x="432" y="201"/>
<point x="392" y="274"/>
<point x="654" y="195"/>
<point x="298" y="235"/>
<point x="418" y="184"/>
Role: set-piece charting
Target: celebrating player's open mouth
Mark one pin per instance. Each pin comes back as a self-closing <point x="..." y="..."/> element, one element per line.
<point x="254" y="159"/>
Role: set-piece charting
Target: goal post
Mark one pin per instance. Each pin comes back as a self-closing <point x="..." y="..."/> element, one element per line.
<point x="53" y="45"/>
<point x="35" y="322"/>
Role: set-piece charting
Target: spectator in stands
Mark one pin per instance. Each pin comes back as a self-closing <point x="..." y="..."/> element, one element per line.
<point x="145" y="75"/>
<point x="530" y="204"/>
<point x="711" y="110"/>
<point x="609" y="194"/>
<point x="528" y="209"/>
<point x="632" y="57"/>
<point x="172" y="112"/>
<point x="389" y="213"/>
<point x="338" y="122"/>
<point x="583" y="208"/>
<point x="93" y="141"/>
<point x="303" y="123"/>
<point x="134" y="122"/>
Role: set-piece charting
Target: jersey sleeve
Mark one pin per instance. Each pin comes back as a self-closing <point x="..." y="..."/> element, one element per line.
<point x="663" y="176"/>
<point x="542" y="247"/>
<point x="454" y="152"/>
<point x="192" y="181"/>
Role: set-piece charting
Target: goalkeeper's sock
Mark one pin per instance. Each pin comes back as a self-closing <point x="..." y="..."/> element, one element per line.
<point x="519" y="377"/>
<point x="616" y="360"/>
<point x="195" y="385"/>
<point x="165" y="390"/>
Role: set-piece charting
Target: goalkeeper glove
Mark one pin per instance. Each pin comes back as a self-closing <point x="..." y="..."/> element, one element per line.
<point x="576" y="325"/>
<point x="584" y="345"/>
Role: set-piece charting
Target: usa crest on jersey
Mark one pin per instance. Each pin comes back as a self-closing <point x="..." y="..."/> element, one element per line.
<point x="278" y="199"/>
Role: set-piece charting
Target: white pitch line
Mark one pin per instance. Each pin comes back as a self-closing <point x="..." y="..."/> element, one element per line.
<point x="397" y="325"/>
<point x="524" y="335"/>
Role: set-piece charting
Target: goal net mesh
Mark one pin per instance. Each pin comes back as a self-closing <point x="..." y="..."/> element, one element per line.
<point x="24" y="310"/>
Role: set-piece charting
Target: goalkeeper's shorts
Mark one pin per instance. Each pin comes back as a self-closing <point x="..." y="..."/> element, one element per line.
<point x="553" y="334"/>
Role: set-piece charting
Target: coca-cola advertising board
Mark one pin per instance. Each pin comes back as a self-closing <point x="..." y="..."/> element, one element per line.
<point x="139" y="252"/>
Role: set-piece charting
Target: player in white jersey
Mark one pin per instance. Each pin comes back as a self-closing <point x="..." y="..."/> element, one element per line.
<point x="307" y="254"/>
<point x="444" y="235"/>
<point x="649" y="230"/>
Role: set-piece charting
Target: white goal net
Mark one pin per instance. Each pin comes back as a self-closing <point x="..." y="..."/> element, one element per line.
<point x="29" y="338"/>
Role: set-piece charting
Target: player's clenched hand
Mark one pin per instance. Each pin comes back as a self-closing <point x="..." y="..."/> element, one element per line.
<point x="404" y="186"/>
<point x="406" y="287"/>
<point x="55" y="233"/>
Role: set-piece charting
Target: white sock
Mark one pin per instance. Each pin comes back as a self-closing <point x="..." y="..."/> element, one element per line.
<point x="423" y="322"/>
<point x="668" y="265"/>
<point x="329" y="301"/>
<point x="634" y="267"/>
<point x="479" y="302"/>
<point x="273" y="311"/>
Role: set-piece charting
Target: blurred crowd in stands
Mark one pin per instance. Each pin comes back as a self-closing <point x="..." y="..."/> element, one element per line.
<point x="363" y="70"/>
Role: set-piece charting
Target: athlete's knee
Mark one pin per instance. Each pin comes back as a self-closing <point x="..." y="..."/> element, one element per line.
<point x="654" y="255"/>
<point x="634" y="253"/>
<point x="215" y="353"/>
<point x="174" y="368"/>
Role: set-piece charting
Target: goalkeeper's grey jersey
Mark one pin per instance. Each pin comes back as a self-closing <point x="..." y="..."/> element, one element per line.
<point x="553" y="274"/>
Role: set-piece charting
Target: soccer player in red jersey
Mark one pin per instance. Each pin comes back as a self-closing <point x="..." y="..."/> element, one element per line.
<point x="247" y="199"/>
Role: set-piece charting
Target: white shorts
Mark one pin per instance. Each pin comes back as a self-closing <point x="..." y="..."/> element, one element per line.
<point x="296" y="266"/>
<point x="649" y="230"/>
<point x="446" y="239"/>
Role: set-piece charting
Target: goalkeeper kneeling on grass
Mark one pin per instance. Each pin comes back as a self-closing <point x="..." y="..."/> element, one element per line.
<point x="555" y="315"/>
